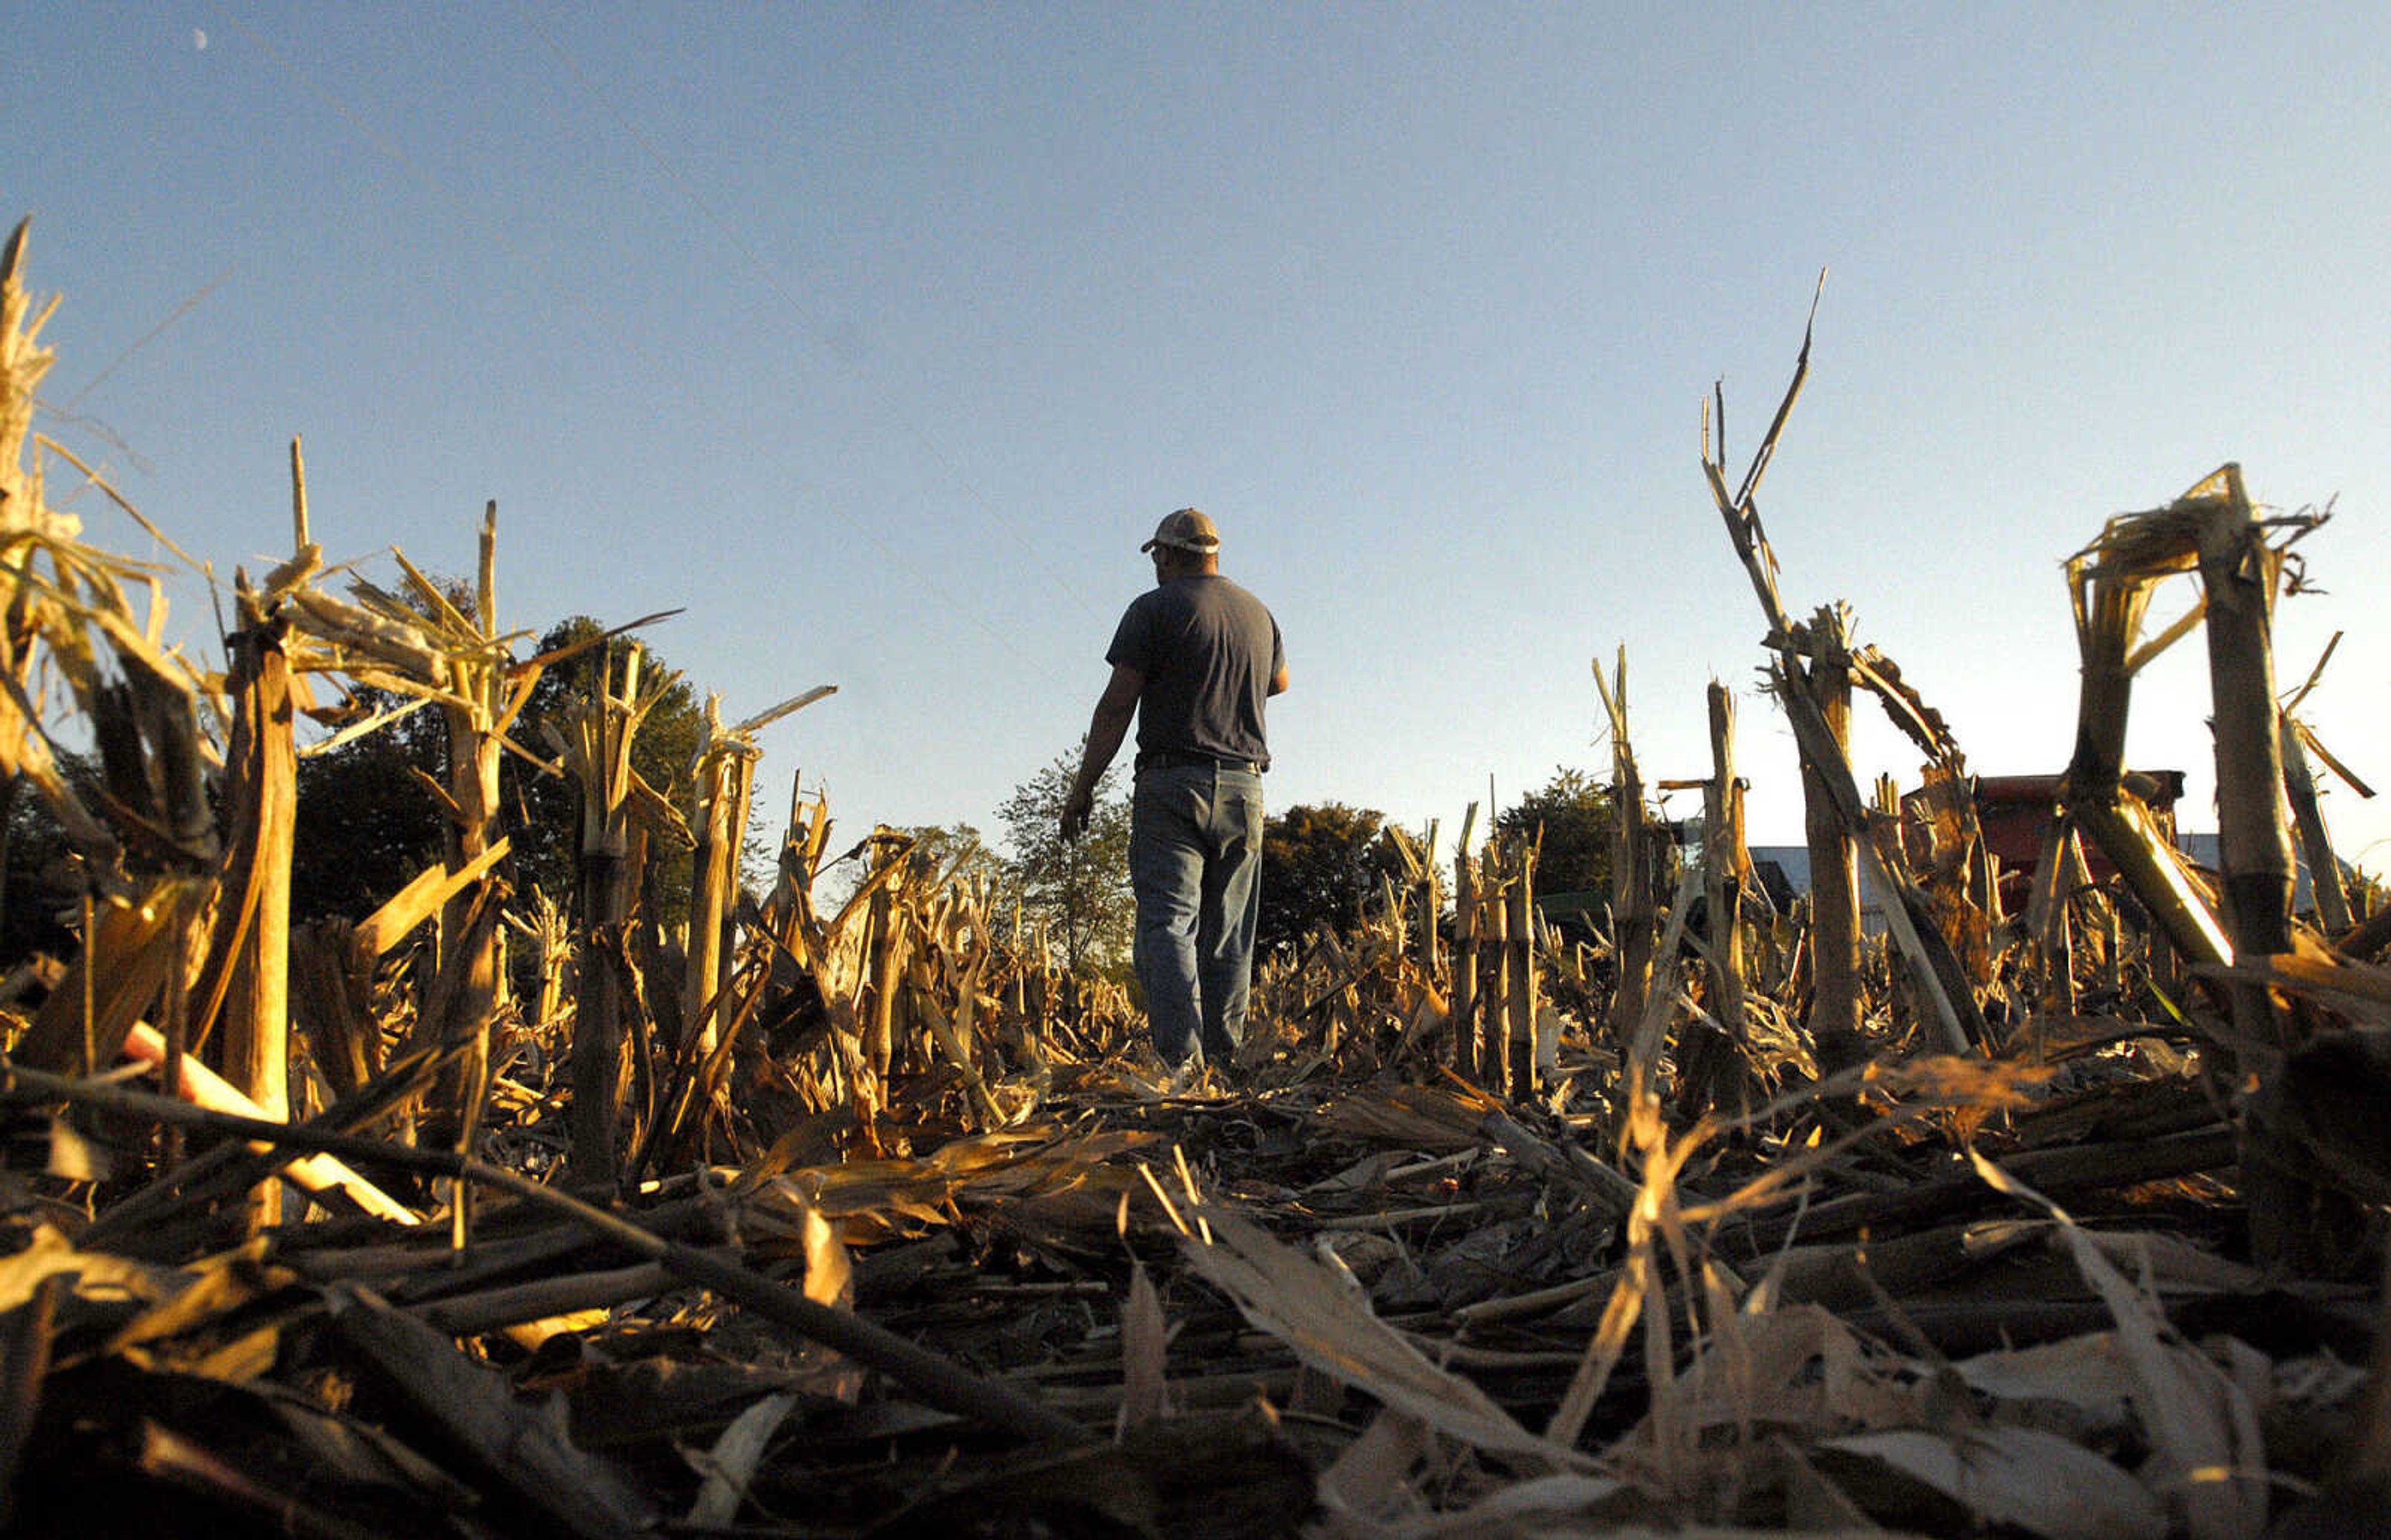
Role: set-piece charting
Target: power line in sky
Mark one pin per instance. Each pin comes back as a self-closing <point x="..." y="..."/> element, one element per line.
<point x="147" y="338"/>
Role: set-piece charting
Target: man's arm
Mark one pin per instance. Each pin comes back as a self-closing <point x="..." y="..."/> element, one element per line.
<point x="1115" y="708"/>
<point x="1278" y="681"/>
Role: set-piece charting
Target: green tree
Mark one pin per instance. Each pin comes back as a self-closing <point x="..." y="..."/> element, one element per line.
<point x="941" y="853"/>
<point x="42" y="890"/>
<point x="1080" y="887"/>
<point x="1575" y="814"/>
<point x="1321" y="862"/>
<point x="543" y="821"/>
<point x="956" y="853"/>
<point x="368" y="822"/>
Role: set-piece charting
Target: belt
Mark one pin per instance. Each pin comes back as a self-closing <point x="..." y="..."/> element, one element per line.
<point x="1173" y="759"/>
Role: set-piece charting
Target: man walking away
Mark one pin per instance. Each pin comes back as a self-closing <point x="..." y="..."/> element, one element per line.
<point x="1194" y="660"/>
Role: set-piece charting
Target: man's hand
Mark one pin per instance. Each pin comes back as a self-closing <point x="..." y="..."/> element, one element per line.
<point x="1114" y="708"/>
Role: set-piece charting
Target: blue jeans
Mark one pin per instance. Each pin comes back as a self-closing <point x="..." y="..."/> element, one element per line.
<point x="1194" y="860"/>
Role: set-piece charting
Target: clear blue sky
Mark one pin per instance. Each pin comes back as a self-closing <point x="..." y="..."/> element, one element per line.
<point x="880" y="336"/>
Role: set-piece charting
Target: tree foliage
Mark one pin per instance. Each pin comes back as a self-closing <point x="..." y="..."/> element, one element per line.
<point x="1078" y="888"/>
<point x="956" y="853"/>
<point x="1575" y="814"/>
<point x="1321" y="862"/>
<point x="941" y="853"/>
<point x="41" y="891"/>
<point x="543" y="820"/>
<point x="366" y="822"/>
<point x="369" y="822"/>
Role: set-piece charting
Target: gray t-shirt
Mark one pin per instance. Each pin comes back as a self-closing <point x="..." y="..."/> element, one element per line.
<point x="1209" y="650"/>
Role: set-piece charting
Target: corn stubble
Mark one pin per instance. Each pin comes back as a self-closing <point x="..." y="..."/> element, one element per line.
<point x="503" y="1211"/>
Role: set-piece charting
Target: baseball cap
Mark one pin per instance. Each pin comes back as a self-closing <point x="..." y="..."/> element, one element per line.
<point x="1189" y="529"/>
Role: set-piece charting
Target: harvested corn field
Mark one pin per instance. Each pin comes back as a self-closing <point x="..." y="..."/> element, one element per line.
<point x="2053" y="1209"/>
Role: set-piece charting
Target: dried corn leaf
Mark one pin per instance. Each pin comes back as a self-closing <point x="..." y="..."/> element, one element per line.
<point x="2081" y="1386"/>
<point x="1146" y="1394"/>
<point x="2019" y="1477"/>
<point x="730" y="1464"/>
<point x="224" y="1287"/>
<point x="1796" y="1368"/>
<point x="1310" y="1308"/>
<point x="118" y="1282"/>
<point x="582" y="1495"/>
<point x="2207" y="1461"/>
